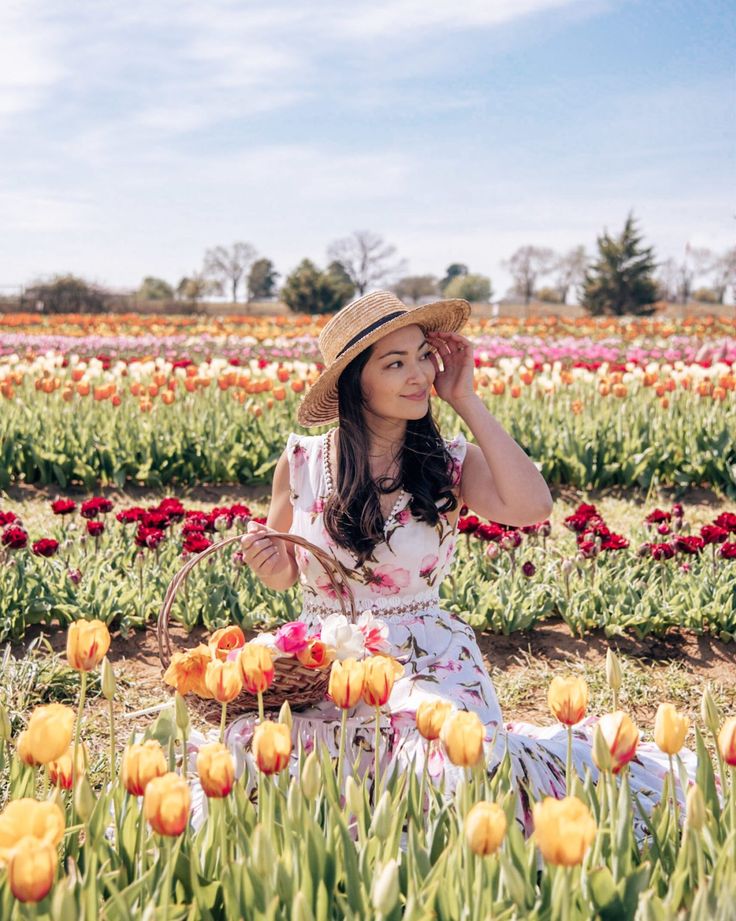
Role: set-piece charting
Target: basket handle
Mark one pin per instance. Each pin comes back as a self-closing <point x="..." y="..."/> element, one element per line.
<point x="336" y="573"/>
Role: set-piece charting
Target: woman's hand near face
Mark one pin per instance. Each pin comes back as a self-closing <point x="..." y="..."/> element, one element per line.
<point x="455" y="382"/>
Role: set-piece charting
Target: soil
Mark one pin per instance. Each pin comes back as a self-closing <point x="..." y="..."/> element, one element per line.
<point x="523" y="657"/>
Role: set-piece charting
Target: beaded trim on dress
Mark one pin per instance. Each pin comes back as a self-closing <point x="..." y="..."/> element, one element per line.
<point x="386" y="606"/>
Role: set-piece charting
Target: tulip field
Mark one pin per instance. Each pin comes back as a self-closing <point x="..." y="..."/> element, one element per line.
<point x="114" y="429"/>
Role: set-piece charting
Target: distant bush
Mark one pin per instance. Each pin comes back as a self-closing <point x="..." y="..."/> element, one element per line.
<point x="473" y="288"/>
<point x="549" y="296"/>
<point x="705" y="296"/>
<point x="65" y="294"/>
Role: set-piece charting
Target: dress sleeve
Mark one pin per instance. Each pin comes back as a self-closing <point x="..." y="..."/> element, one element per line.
<point x="457" y="447"/>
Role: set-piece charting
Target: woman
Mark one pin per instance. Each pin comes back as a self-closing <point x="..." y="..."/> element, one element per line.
<point x="382" y="492"/>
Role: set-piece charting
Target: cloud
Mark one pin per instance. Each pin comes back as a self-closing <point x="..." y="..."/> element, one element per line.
<point x="404" y="20"/>
<point x="30" y="65"/>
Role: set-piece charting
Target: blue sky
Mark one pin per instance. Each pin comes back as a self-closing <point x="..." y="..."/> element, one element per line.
<point x="135" y="135"/>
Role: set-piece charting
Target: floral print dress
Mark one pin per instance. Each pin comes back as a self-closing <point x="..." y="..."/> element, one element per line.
<point x="400" y="584"/>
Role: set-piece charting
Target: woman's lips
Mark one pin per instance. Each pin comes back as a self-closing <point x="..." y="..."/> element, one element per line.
<point x="421" y="396"/>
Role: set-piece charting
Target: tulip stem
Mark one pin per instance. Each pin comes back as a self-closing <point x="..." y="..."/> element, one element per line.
<point x="223" y="715"/>
<point x="568" y="767"/>
<point x="224" y="855"/>
<point x="167" y="877"/>
<point x="343" y="724"/>
<point x="112" y="746"/>
<point x="376" y="759"/>
<point x="425" y="776"/>
<point x="675" y="811"/>
<point x="733" y="805"/>
<point x="82" y="692"/>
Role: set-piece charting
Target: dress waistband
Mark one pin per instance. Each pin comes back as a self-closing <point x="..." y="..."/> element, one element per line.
<point x="383" y="607"/>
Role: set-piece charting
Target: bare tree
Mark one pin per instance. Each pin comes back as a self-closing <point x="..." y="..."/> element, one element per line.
<point x="698" y="261"/>
<point x="724" y="274"/>
<point x="366" y="258"/>
<point x="668" y="279"/>
<point x="228" y="266"/>
<point x="570" y="269"/>
<point x="526" y="265"/>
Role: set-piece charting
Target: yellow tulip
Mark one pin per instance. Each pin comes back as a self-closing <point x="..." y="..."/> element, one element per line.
<point x="216" y="769"/>
<point x="346" y="682"/>
<point x="568" y="699"/>
<point x="431" y="715"/>
<point x="256" y="666"/>
<point x="379" y="674"/>
<point x="621" y="737"/>
<point x="87" y="642"/>
<point x="670" y="729"/>
<point x="271" y="746"/>
<point x="166" y="804"/>
<point x="31" y="869"/>
<point x="462" y="735"/>
<point x="141" y="763"/>
<point x="224" y="680"/>
<point x="485" y="828"/>
<point x="49" y="732"/>
<point x="727" y="741"/>
<point x="60" y="770"/>
<point x="563" y="829"/>
<point x="43" y="821"/>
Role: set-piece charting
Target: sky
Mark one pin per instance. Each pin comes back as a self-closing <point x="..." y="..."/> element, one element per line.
<point x="133" y="136"/>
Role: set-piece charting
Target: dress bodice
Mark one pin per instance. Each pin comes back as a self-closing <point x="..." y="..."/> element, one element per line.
<point x="405" y="569"/>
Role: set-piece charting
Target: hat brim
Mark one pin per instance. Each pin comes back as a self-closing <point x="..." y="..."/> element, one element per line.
<point x="319" y="406"/>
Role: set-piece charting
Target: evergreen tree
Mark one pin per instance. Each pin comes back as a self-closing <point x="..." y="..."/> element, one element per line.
<point x="261" y="280"/>
<point x="621" y="281"/>
<point x="307" y="290"/>
<point x="452" y="271"/>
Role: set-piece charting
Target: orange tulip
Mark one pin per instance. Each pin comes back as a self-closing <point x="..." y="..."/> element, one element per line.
<point x="216" y="769"/>
<point x="430" y="717"/>
<point x="24" y="750"/>
<point x="43" y="821"/>
<point x="727" y="741"/>
<point x="225" y="640"/>
<point x="568" y="699"/>
<point x="256" y="666"/>
<point x="346" y="682"/>
<point x="315" y="655"/>
<point x="271" y="746"/>
<point x="485" y="828"/>
<point x="60" y="770"/>
<point x="621" y="737"/>
<point x="379" y="674"/>
<point x="166" y="804"/>
<point x="224" y="680"/>
<point x="87" y="642"/>
<point x="462" y="735"/>
<point x="187" y="670"/>
<point x="563" y="829"/>
<point x="141" y="763"/>
<point x="49" y="732"/>
<point x="31" y="869"/>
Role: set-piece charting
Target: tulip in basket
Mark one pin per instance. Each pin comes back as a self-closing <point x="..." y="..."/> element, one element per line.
<point x="291" y="663"/>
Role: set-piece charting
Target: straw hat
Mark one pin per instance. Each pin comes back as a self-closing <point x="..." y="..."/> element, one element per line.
<point x="356" y="326"/>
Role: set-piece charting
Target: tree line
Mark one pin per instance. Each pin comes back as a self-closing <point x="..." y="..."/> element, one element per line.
<point x="622" y="277"/>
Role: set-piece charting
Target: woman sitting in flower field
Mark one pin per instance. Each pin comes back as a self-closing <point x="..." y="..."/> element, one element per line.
<point x="382" y="493"/>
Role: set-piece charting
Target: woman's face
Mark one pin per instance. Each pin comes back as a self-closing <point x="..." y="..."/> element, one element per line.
<point x="399" y="368"/>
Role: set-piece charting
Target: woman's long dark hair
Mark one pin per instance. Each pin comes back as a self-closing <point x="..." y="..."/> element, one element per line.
<point x="352" y="514"/>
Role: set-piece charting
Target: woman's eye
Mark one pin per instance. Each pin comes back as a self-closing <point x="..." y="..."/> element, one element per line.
<point x="398" y="360"/>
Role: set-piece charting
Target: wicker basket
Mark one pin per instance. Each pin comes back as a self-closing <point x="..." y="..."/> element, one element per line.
<point x="302" y="687"/>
